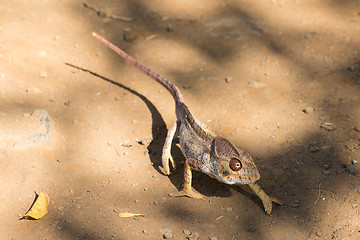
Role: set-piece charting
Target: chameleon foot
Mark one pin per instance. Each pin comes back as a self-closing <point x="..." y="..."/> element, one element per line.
<point x="267" y="202"/>
<point x="266" y="199"/>
<point x="187" y="193"/>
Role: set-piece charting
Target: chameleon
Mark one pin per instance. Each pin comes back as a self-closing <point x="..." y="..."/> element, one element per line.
<point x="203" y="149"/>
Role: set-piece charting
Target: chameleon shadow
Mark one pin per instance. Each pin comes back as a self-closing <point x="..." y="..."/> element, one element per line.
<point x="159" y="130"/>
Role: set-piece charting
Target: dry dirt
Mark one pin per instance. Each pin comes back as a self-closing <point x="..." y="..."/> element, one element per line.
<point x="280" y="79"/>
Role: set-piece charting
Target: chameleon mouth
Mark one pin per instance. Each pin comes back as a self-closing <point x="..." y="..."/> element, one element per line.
<point x="235" y="179"/>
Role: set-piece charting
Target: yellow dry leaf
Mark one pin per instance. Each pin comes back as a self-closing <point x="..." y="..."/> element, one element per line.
<point x="127" y="215"/>
<point x="39" y="208"/>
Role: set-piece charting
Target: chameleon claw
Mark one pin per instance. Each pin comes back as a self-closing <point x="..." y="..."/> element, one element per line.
<point x="166" y="167"/>
<point x="267" y="202"/>
<point x="187" y="193"/>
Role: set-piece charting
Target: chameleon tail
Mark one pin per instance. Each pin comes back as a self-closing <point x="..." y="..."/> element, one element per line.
<point x="175" y="92"/>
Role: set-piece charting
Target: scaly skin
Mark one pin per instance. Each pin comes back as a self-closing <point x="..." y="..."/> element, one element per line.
<point x="203" y="149"/>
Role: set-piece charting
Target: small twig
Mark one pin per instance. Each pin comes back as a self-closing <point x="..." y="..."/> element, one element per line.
<point x="220" y="217"/>
<point x="104" y="13"/>
<point x="151" y="37"/>
<point x="318" y="196"/>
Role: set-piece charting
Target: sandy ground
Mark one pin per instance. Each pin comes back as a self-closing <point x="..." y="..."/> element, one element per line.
<point x="278" y="78"/>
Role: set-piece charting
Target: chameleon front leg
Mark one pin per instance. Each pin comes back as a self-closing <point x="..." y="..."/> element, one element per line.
<point x="166" y="152"/>
<point x="187" y="190"/>
<point x="266" y="199"/>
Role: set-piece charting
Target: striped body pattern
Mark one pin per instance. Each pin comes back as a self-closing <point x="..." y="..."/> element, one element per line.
<point x="203" y="149"/>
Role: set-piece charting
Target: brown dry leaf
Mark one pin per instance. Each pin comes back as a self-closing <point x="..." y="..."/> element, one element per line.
<point x="127" y="215"/>
<point x="39" y="208"/>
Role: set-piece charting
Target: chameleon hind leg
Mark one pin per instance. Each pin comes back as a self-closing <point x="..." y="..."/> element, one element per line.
<point x="187" y="190"/>
<point x="166" y="152"/>
<point x="266" y="199"/>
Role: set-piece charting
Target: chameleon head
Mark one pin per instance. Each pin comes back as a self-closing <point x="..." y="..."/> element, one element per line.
<point x="233" y="166"/>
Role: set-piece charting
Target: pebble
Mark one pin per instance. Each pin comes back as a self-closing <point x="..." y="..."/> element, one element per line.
<point x="352" y="68"/>
<point x="256" y="84"/>
<point x="43" y="74"/>
<point x="129" y="36"/>
<point x="61" y="208"/>
<point x="328" y="126"/>
<point x="295" y="205"/>
<point x="186" y="232"/>
<point x="229" y="209"/>
<point x="308" y="110"/>
<point x="213" y="238"/>
<point x="167" y="233"/>
<point x="194" y="236"/>
<point x="169" y="27"/>
<point x="33" y="90"/>
<point x="228" y="79"/>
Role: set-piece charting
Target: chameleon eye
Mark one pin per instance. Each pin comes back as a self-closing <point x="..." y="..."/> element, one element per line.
<point x="235" y="164"/>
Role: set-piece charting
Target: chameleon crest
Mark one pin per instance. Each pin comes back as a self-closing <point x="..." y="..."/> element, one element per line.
<point x="233" y="165"/>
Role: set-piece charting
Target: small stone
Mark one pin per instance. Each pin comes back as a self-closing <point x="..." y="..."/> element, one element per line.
<point x="67" y="103"/>
<point x="328" y="126"/>
<point x="326" y="172"/>
<point x="194" y="236"/>
<point x="168" y="235"/>
<point x="357" y="129"/>
<point x="326" y="166"/>
<point x="186" y="86"/>
<point x="169" y="27"/>
<point x="144" y="231"/>
<point x="212" y="238"/>
<point x="33" y="90"/>
<point x="154" y="176"/>
<point x="352" y="68"/>
<point x="308" y="110"/>
<point x="301" y="222"/>
<point x="229" y="209"/>
<point x="295" y="205"/>
<point x="228" y="79"/>
<point x="43" y="74"/>
<point x="186" y="232"/>
<point x="61" y="208"/>
<point x="129" y="36"/>
<point x="256" y="84"/>
<point x="314" y="149"/>
<point x="354" y="161"/>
